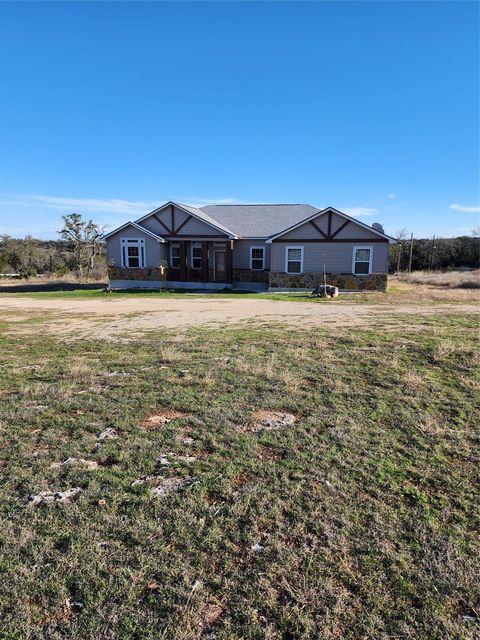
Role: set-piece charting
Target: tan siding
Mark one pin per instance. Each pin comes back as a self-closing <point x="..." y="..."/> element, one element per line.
<point x="336" y="255"/>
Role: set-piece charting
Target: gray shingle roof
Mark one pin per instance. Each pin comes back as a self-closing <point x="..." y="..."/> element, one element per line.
<point x="203" y="215"/>
<point x="258" y="220"/>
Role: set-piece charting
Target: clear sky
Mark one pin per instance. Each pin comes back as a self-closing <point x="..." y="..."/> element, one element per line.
<point x="108" y="108"/>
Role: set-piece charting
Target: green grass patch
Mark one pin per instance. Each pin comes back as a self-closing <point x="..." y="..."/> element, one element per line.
<point x="366" y="508"/>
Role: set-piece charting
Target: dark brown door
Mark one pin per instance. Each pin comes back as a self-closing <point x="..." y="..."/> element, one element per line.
<point x="220" y="266"/>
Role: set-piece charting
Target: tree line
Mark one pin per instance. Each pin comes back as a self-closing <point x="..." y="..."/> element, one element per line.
<point x="435" y="254"/>
<point x="80" y="251"/>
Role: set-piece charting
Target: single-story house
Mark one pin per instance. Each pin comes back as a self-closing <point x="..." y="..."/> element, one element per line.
<point x="252" y="246"/>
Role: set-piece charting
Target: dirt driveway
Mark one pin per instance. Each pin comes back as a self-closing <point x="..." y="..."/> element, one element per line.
<point x="121" y="318"/>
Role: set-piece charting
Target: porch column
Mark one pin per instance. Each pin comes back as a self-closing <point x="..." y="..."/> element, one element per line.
<point x="183" y="261"/>
<point x="204" y="261"/>
<point x="229" y="262"/>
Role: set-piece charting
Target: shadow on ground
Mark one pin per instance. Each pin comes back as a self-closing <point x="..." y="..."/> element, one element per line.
<point x="53" y="286"/>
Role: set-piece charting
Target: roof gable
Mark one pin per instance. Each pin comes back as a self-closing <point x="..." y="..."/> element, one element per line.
<point x="192" y="211"/>
<point x="329" y="233"/>
<point x="137" y="227"/>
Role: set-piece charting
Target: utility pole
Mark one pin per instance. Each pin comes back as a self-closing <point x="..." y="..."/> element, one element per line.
<point x="411" y="254"/>
<point x="431" y="253"/>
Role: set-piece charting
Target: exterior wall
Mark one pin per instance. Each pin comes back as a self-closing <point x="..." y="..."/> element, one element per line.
<point x="345" y="282"/>
<point x="337" y="256"/>
<point x="241" y="253"/>
<point x="155" y="251"/>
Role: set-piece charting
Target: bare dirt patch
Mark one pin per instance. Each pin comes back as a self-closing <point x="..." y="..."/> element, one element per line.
<point x="160" y="419"/>
<point x="128" y="318"/>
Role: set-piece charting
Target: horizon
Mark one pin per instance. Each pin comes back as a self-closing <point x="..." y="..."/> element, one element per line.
<point x="369" y="107"/>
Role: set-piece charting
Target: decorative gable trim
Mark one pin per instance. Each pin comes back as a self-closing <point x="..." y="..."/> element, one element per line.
<point x="329" y="236"/>
<point x="191" y="213"/>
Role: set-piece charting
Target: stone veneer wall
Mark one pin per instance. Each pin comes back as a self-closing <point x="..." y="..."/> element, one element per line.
<point x="344" y="281"/>
<point x="246" y="275"/>
<point x="148" y="273"/>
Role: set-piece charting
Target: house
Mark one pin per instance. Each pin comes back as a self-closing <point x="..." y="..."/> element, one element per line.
<point x="252" y="246"/>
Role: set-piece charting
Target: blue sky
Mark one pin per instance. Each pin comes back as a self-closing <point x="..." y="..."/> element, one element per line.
<point x="108" y="109"/>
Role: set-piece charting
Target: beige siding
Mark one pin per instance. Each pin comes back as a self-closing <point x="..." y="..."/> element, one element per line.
<point x="241" y="253"/>
<point x="155" y="251"/>
<point x="336" y="255"/>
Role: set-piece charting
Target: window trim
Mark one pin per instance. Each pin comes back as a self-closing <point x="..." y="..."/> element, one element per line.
<point x="292" y="246"/>
<point x="370" y="261"/>
<point x="252" y="259"/>
<point x="142" y="252"/>
<point x="174" y="245"/>
<point x="196" y="245"/>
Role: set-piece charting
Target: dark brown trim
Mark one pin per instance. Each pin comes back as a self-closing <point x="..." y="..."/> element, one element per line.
<point x="204" y="261"/>
<point x="229" y="262"/>
<point x="329" y="229"/>
<point x="183" y="261"/>
<point x="355" y="240"/>
<point x="182" y="225"/>
<point x="172" y="213"/>
<point x="314" y="224"/>
<point x="162" y="223"/>
<point x="342" y="226"/>
<point x="198" y="237"/>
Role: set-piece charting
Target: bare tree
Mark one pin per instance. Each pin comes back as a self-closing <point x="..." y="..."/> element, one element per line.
<point x="84" y="237"/>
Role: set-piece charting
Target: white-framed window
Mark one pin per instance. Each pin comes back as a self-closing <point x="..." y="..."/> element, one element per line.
<point x="362" y="260"/>
<point x="196" y="255"/>
<point x="294" y="259"/>
<point x="175" y="256"/>
<point x="133" y="253"/>
<point x="257" y="258"/>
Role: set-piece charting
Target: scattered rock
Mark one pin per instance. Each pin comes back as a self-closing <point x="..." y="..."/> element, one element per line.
<point x="171" y="485"/>
<point x="271" y="420"/>
<point x="212" y="615"/>
<point x="257" y="548"/>
<point x="46" y="497"/>
<point x="108" y="434"/>
<point x="75" y="462"/>
<point x="144" y="480"/>
<point x="167" y="459"/>
<point x="183" y="373"/>
<point x="198" y="584"/>
<point x="187" y="440"/>
<point x="98" y="388"/>
<point x="117" y="374"/>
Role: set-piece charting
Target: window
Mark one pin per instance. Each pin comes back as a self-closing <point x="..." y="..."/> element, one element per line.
<point x="294" y="259"/>
<point x="362" y="260"/>
<point x="133" y="253"/>
<point x="175" y="256"/>
<point x="196" y="255"/>
<point x="257" y="258"/>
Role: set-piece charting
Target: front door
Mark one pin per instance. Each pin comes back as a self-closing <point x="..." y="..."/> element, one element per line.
<point x="220" y="270"/>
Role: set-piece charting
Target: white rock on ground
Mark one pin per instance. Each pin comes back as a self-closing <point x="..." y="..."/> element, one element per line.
<point x="171" y="485"/>
<point x="75" y="462"/>
<point x="46" y="497"/>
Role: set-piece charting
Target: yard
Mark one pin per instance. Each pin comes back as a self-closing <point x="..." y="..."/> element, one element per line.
<point x="356" y="518"/>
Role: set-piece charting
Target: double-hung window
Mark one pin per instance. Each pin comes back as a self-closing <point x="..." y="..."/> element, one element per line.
<point x="294" y="259"/>
<point x="196" y="255"/>
<point x="133" y="253"/>
<point x="175" y="256"/>
<point x="257" y="258"/>
<point x="362" y="260"/>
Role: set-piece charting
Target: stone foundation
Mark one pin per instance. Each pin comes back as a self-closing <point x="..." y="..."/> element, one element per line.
<point x="148" y="273"/>
<point x="246" y="275"/>
<point x="344" y="281"/>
